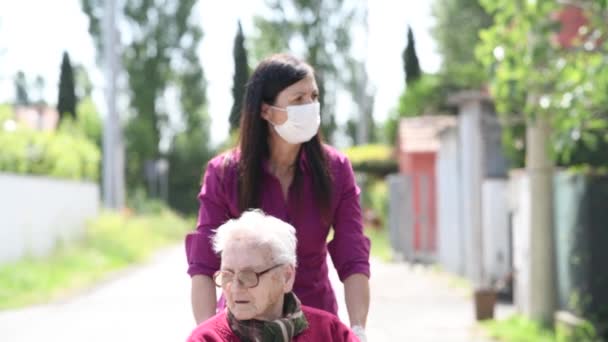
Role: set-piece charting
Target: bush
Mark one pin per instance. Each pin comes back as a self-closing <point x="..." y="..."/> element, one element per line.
<point x="61" y="154"/>
<point x="374" y="160"/>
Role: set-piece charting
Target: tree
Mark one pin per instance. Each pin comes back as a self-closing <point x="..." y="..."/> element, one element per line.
<point x="569" y="83"/>
<point x="456" y="32"/>
<point x="239" y="80"/>
<point x="159" y="59"/>
<point x="410" y="60"/>
<point x="82" y="82"/>
<point x="21" y="89"/>
<point x="360" y="127"/>
<point x="66" y="104"/>
<point x="559" y="91"/>
<point x="322" y="28"/>
<point x="39" y="85"/>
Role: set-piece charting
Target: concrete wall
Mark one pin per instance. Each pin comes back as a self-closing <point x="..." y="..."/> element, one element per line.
<point x="38" y="212"/>
<point x="400" y="215"/>
<point x="519" y="206"/>
<point x="471" y="173"/>
<point x="496" y="230"/>
<point x="449" y="205"/>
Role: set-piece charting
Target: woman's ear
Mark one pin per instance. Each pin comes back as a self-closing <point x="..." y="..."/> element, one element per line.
<point x="265" y="111"/>
<point x="290" y="277"/>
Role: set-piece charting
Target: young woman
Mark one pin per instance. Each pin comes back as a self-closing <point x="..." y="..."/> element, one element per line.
<point x="282" y="167"/>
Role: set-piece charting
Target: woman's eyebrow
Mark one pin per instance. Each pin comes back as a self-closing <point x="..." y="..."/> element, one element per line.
<point x="302" y="92"/>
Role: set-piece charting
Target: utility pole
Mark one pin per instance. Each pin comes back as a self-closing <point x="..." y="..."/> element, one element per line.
<point x="365" y="101"/>
<point x="113" y="152"/>
<point x="539" y="167"/>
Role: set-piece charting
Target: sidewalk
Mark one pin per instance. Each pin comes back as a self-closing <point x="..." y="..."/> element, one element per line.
<point x="414" y="303"/>
<point x="149" y="303"/>
<point x="152" y="303"/>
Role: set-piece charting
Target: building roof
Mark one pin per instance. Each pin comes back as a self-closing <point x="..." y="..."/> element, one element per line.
<point x="41" y="118"/>
<point x="421" y="134"/>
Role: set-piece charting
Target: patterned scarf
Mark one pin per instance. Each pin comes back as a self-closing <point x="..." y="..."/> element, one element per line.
<point x="283" y="329"/>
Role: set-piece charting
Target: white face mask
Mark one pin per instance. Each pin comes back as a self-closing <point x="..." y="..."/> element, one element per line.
<point x="302" y="122"/>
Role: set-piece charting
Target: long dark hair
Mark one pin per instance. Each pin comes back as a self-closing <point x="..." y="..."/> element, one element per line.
<point x="271" y="76"/>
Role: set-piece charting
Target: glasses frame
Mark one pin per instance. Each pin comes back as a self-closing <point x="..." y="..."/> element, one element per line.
<point x="257" y="276"/>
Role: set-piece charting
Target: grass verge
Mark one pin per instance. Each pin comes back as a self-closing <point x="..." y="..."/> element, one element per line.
<point x="518" y="329"/>
<point x="381" y="247"/>
<point x="112" y="241"/>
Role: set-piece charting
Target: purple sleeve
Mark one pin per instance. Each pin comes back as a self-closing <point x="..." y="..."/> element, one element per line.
<point x="213" y="211"/>
<point x="349" y="248"/>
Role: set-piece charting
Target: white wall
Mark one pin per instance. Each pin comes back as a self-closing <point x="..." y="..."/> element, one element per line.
<point x="400" y="214"/>
<point x="38" y="212"/>
<point x="519" y="204"/>
<point x="449" y="226"/>
<point x="471" y="173"/>
<point x="496" y="232"/>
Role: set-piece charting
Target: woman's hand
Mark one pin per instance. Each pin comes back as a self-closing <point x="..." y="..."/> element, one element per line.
<point x="360" y="333"/>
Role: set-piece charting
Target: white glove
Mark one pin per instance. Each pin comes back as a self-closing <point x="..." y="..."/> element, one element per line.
<point x="359" y="332"/>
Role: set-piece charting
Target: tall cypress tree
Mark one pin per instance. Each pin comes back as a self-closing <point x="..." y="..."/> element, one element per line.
<point x="66" y="104"/>
<point x="21" y="89"/>
<point x="410" y="60"/>
<point x="241" y="75"/>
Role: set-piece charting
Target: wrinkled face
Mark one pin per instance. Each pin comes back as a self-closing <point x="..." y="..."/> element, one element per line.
<point x="302" y="92"/>
<point x="264" y="301"/>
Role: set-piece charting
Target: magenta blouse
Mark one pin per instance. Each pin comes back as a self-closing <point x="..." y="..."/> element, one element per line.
<point x="349" y="248"/>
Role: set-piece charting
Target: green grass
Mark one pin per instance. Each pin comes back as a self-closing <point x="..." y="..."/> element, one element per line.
<point x="518" y="329"/>
<point x="381" y="247"/>
<point x="112" y="241"/>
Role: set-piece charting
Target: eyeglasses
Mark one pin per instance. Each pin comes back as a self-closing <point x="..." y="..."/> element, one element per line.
<point x="246" y="278"/>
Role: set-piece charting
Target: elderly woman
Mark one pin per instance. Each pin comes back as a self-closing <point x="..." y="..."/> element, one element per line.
<point x="257" y="272"/>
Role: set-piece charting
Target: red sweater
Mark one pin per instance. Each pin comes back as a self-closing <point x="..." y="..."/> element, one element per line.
<point x="322" y="326"/>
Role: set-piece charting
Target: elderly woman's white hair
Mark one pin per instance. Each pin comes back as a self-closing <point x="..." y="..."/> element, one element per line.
<point x="260" y="230"/>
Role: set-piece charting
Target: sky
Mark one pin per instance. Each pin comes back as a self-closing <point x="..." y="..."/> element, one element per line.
<point x="34" y="40"/>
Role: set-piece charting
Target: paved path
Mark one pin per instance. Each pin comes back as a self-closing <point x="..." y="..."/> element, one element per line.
<point x="150" y="303"/>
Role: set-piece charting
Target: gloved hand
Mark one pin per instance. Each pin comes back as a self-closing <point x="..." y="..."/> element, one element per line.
<point x="360" y="332"/>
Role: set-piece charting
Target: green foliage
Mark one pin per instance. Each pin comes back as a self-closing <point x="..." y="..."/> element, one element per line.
<point x="323" y="29"/>
<point x="88" y="120"/>
<point x="375" y="160"/>
<point x="426" y="96"/>
<point x="83" y="84"/>
<point x="533" y="75"/>
<point x="162" y="55"/>
<point x="21" y="89"/>
<point x="112" y="241"/>
<point x="353" y="127"/>
<point x="456" y="32"/>
<point x="411" y="67"/>
<point x="520" y="329"/>
<point x="378" y="199"/>
<point x="374" y="200"/>
<point x="66" y="104"/>
<point x="187" y="162"/>
<point x="517" y="328"/>
<point x="6" y="112"/>
<point x="59" y="154"/>
<point x="363" y="96"/>
<point x="361" y="153"/>
<point x="583" y="332"/>
<point x="239" y="80"/>
<point x="380" y="245"/>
